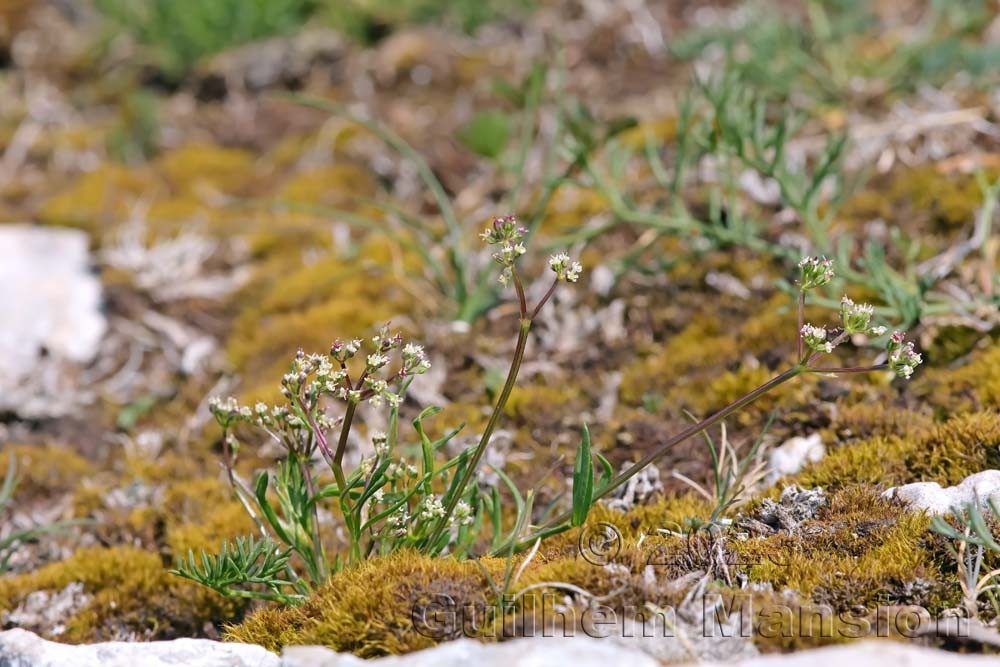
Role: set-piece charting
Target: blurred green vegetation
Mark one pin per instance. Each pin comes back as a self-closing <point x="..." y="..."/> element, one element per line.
<point x="367" y="20"/>
<point x="178" y="33"/>
<point x="821" y="53"/>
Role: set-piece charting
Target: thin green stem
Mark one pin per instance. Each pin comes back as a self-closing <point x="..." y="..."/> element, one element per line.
<point x="484" y="441"/>
<point x="519" y="288"/>
<point x="317" y="535"/>
<point x="665" y="447"/>
<point x="802" y="321"/>
<point x="338" y="457"/>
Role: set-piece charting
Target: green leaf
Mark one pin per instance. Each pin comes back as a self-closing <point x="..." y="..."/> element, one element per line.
<point x="486" y="134"/>
<point x="426" y="446"/>
<point x="607" y="472"/>
<point x="134" y="411"/>
<point x="583" y="480"/>
<point x="260" y="489"/>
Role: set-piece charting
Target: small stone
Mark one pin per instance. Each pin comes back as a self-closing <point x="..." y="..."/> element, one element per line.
<point x="793" y="507"/>
<point x="52" y="322"/>
<point x="47" y="612"/>
<point x="793" y="455"/>
<point x="930" y="496"/>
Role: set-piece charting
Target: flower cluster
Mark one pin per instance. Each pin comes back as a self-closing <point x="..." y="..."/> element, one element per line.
<point x="857" y="317"/>
<point x="431" y="508"/>
<point x="565" y="269"/>
<point x="902" y="357"/>
<point x="398" y="521"/>
<point x="816" y="272"/>
<point x="816" y="338"/>
<point x="314" y="375"/>
<point x="463" y="514"/>
<point x="507" y="234"/>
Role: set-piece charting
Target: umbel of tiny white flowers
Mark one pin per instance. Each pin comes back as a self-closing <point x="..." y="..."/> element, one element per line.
<point x="314" y="375"/>
<point x="816" y="338"/>
<point x="902" y="357"/>
<point x="816" y="272"/>
<point x="856" y="317"/>
<point x="564" y="268"/>
<point x="505" y="233"/>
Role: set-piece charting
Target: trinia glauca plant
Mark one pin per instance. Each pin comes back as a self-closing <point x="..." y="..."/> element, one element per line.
<point x="387" y="503"/>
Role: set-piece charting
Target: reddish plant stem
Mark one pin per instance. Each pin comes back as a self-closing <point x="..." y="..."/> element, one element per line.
<point x="802" y="321"/>
<point x="666" y="446"/>
<point x="850" y="369"/>
<point x="545" y="299"/>
<point x="484" y="441"/>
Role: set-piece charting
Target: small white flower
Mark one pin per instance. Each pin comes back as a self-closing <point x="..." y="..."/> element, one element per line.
<point x="431" y="508"/>
<point x="564" y="268"/>
<point x="367" y="465"/>
<point x="816" y="271"/>
<point x="463" y="514"/>
<point x="816" y="338"/>
<point x="855" y="317"/>
<point x="902" y="357"/>
<point x="376" y="360"/>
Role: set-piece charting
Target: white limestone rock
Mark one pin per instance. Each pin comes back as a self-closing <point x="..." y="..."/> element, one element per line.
<point x="792" y="456"/>
<point x="52" y="320"/>
<point x="585" y="652"/>
<point x="20" y="648"/>
<point x="534" y="652"/>
<point x="930" y="496"/>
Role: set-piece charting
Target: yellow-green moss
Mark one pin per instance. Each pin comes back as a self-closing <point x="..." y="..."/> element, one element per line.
<point x="860" y="552"/>
<point x="869" y="420"/>
<point x="661" y="130"/>
<point x="204" y="168"/>
<point x="975" y="385"/>
<point x="924" y="194"/>
<point x="570" y="206"/>
<point x="944" y="453"/>
<point x="338" y="185"/>
<point x="45" y="470"/>
<point x="98" y="198"/>
<point x="529" y="401"/>
<point x="368" y="610"/>
<point x="133" y="595"/>
<point x="220" y="524"/>
<point x="202" y="514"/>
<point x="693" y="369"/>
<point x="699" y="344"/>
<point x="309" y="308"/>
<point x="947" y="343"/>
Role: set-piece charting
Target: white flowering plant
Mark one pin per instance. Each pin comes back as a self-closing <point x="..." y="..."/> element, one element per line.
<point x="385" y="502"/>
